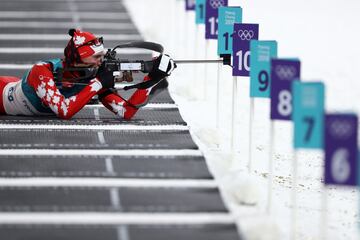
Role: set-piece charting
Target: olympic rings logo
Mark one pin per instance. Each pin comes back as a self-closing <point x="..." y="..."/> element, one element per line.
<point x="246" y="34"/>
<point x="285" y="72"/>
<point x="215" y="4"/>
<point x="340" y="129"/>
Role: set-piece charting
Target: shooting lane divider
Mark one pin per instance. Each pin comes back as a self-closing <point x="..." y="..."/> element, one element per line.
<point x="228" y="16"/>
<point x="308" y="117"/>
<point x="242" y="35"/>
<point x="260" y="80"/>
<point x="341" y="155"/>
<point x="211" y="29"/>
<point x="283" y="72"/>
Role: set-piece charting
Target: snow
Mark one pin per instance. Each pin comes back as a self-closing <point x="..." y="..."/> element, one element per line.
<point x="325" y="36"/>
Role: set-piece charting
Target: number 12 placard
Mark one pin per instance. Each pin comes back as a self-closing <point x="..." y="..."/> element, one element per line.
<point x="211" y="17"/>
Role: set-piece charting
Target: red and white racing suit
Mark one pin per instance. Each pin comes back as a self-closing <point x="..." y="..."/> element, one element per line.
<point x="37" y="93"/>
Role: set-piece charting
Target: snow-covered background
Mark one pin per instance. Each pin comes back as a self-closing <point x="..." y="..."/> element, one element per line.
<point x="325" y="35"/>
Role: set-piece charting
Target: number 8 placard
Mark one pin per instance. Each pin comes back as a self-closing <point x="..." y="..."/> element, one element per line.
<point x="308" y="114"/>
<point x="243" y="34"/>
<point x="283" y="72"/>
<point x="341" y="153"/>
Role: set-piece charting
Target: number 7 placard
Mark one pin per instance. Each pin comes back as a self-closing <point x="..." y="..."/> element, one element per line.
<point x="308" y="114"/>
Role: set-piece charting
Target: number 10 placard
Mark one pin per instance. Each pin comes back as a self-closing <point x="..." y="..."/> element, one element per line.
<point x="243" y="34"/>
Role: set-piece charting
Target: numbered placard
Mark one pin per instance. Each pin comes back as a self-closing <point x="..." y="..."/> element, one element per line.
<point x="308" y="114"/>
<point x="211" y="17"/>
<point x="260" y="78"/>
<point x="228" y="16"/>
<point x="283" y="72"/>
<point x="341" y="132"/>
<point x="200" y="6"/>
<point x="190" y="5"/>
<point x="243" y="34"/>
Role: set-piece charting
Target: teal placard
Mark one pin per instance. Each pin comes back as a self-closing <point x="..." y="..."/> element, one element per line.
<point x="260" y="64"/>
<point x="200" y="11"/>
<point x="308" y="114"/>
<point x="228" y="16"/>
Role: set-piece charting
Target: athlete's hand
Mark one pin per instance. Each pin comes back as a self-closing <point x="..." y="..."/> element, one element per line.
<point x="105" y="77"/>
<point x="163" y="67"/>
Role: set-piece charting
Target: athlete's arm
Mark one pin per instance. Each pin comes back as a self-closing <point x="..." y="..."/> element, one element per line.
<point x="42" y="80"/>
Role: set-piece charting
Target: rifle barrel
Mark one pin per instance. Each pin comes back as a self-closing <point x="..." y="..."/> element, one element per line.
<point x="199" y="61"/>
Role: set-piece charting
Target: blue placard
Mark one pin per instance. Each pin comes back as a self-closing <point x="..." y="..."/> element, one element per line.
<point x="308" y="114"/>
<point x="283" y="72"/>
<point x="243" y="33"/>
<point x="260" y="75"/>
<point x="200" y="11"/>
<point x="190" y="5"/>
<point x="341" y="150"/>
<point x="211" y="17"/>
<point x="228" y="16"/>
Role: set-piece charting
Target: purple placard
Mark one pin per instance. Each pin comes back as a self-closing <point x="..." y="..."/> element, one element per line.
<point x="190" y="5"/>
<point x="341" y="132"/>
<point x="211" y="17"/>
<point x="283" y="72"/>
<point x="243" y="34"/>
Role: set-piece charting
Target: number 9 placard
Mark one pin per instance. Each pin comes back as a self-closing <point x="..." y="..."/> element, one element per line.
<point x="243" y="34"/>
<point x="283" y="73"/>
<point x="261" y="54"/>
<point x="308" y="114"/>
<point x="341" y="153"/>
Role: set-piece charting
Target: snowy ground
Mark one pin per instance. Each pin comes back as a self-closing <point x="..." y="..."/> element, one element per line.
<point x="325" y="36"/>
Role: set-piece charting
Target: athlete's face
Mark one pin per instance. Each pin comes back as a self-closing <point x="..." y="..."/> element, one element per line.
<point x="94" y="60"/>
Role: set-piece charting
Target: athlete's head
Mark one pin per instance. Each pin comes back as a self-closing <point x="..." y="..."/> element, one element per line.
<point x="84" y="49"/>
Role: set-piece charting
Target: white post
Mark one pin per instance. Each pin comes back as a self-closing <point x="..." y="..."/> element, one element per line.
<point x="218" y="95"/>
<point x="251" y="120"/>
<point x="233" y="104"/>
<point x="271" y="177"/>
<point x="293" y="196"/>
<point x="323" y="227"/>
<point x="207" y="49"/>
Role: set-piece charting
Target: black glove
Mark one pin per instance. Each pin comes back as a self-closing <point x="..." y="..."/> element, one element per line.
<point x="163" y="66"/>
<point x="105" y="77"/>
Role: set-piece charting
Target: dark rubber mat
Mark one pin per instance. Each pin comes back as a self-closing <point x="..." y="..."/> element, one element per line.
<point x="146" y="116"/>
<point x="89" y="139"/>
<point x="141" y="200"/>
<point x="133" y="232"/>
<point x="167" y="167"/>
<point x="82" y="6"/>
